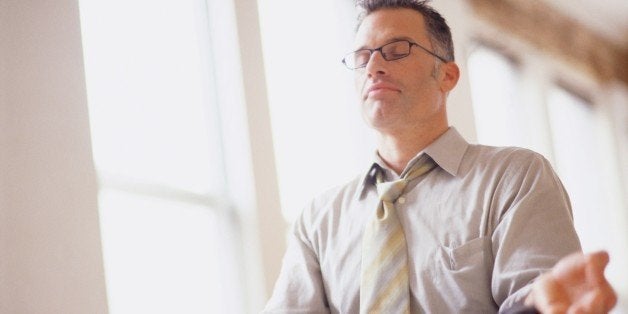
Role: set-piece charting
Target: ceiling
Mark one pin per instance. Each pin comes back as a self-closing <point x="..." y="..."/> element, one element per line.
<point x="607" y="17"/>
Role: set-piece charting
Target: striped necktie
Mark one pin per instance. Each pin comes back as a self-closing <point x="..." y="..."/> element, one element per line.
<point x="384" y="286"/>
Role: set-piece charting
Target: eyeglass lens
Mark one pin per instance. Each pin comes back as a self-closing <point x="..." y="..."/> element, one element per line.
<point x="392" y="51"/>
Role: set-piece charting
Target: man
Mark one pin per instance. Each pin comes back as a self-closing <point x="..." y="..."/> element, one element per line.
<point x="436" y="225"/>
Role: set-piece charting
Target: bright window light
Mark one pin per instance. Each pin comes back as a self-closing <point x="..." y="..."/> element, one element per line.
<point x="580" y="163"/>
<point x="577" y="158"/>
<point x="499" y="117"/>
<point x="319" y="137"/>
<point x="164" y="256"/>
<point x="148" y="92"/>
<point x="169" y="235"/>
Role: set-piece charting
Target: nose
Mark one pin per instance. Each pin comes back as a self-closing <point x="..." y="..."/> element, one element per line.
<point x="376" y="65"/>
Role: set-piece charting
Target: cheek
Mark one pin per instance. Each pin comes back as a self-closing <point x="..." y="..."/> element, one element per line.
<point x="422" y="83"/>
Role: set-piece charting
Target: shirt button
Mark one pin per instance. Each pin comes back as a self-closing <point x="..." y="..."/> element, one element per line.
<point x="401" y="200"/>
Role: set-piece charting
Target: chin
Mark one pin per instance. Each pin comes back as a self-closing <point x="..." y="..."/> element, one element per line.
<point x="381" y="109"/>
<point x="378" y="120"/>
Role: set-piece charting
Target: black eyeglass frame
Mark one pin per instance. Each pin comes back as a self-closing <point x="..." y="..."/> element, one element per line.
<point x="344" y="60"/>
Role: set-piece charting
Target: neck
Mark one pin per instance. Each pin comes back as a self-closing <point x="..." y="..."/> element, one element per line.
<point x="398" y="148"/>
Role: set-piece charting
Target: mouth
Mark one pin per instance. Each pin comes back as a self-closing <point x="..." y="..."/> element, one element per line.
<point x="379" y="89"/>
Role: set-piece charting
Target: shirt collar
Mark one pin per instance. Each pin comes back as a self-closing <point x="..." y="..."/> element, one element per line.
<point x="447" y="151"/>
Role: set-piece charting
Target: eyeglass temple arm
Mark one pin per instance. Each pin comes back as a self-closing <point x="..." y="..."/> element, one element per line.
<point x="430" y="52"/>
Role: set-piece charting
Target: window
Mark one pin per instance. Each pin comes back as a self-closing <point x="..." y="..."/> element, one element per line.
<point x="582" y="161"/>
<point x="576" y="151"/>
<point x="319" y="137"/>
<point x="499" y="115"/>
<point x="169" y="232"/>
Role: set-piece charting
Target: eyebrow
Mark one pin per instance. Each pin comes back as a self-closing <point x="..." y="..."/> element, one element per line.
<point x="396" y="38"/>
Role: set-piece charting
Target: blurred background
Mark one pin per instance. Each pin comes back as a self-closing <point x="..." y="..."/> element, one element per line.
<point x="154" y="153"/>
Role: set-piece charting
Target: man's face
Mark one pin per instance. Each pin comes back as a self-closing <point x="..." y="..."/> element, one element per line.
<point x="402" y="93"/>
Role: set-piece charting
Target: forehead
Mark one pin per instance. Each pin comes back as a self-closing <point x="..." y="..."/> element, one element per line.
<point x="383" y="25"/>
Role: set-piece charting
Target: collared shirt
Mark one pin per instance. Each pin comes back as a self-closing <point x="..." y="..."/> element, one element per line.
<point x="480" y="227"/>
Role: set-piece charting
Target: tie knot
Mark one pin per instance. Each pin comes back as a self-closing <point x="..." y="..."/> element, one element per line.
<point x="390" y="191"/>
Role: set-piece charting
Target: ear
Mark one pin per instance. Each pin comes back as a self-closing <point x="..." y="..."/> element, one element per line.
<point x="449" y="75"/>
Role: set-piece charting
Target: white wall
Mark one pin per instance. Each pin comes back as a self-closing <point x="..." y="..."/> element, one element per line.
<point x="51" y="252"/>
<point x="3" y="130"/>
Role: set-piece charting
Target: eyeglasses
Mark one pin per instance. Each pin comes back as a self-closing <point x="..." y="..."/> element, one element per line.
<point x="391" y="51"/>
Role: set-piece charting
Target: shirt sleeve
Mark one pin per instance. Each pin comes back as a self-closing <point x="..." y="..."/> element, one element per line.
<point x="534" y="231"/>
<point x="299" y="288"/>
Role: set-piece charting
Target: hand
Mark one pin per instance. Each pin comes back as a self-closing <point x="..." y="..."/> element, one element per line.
<point x="576" y="284"/>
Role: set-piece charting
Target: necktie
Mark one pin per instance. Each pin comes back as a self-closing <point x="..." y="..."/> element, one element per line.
<point x="384" y="286"/>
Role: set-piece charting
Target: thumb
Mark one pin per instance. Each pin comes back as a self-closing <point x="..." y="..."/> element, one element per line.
<point x="596" y="263"/>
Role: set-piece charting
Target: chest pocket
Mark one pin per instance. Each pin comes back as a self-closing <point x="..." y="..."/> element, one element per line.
<point x="465" y="272"/>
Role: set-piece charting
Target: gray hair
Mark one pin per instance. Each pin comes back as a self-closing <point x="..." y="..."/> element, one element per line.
<point x="437" y="28"/>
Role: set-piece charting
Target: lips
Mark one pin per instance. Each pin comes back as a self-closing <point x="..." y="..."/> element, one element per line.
<point x="381" y="87"/>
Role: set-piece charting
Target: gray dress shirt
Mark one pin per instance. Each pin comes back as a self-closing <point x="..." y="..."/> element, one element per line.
<point x="480" y="227"/>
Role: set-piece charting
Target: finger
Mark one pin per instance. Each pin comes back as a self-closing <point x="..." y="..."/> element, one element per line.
<point x="596" y="263"/>
<point x="555" y="309"/>
<point x="609" y="296"/>
<point x="548" y="296"/>
<point x="570" y="267"/>
<point x="592" y="302"/>
<point x="600" y="257"/>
